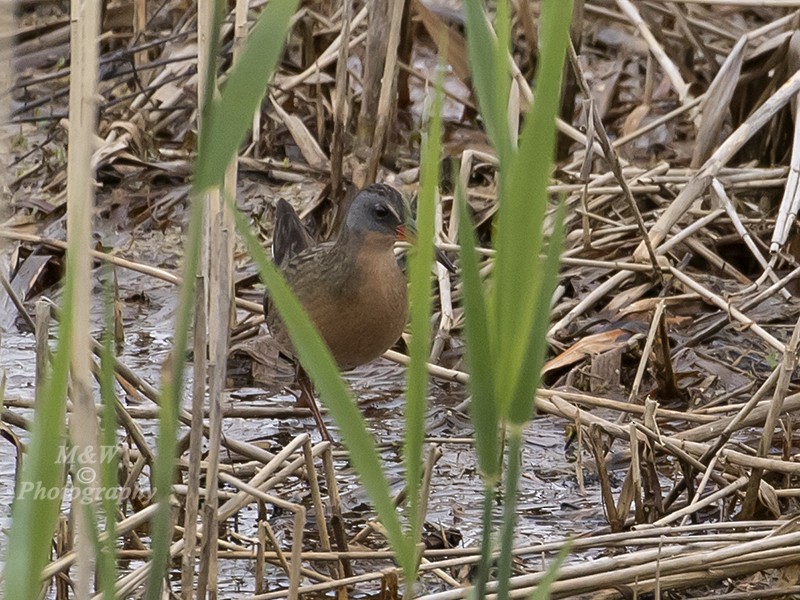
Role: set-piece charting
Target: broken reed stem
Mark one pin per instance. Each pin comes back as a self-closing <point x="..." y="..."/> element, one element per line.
<point x="613" y="161"/>
<point x="337" y="522"/>
<point x="387" y="105"/>
<point x="655" y="322"/>
<point x="319" y="506"/>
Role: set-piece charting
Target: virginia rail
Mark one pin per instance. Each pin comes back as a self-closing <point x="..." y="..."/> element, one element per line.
<point x="352" y="288"/>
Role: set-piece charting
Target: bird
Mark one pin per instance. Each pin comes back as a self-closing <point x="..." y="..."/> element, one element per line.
<point x="352" y="288"/>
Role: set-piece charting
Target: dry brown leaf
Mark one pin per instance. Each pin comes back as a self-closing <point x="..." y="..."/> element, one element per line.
<point x="308" y="146"/>
<point x="716" y="104"/>
<point x="627" y="297"/>
<point x="605" y="370"/>
<point x="605" y="90"/>
<point x="649" y="304"/>
<point x="590" y="345"/>
<point x="788" y="575"/>
<point x="767" y="495"/>
<point x="446" y="40"/>
<point x="634" y="120"/>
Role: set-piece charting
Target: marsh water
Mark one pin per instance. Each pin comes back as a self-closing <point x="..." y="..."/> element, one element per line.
<point x="551" y="503"/>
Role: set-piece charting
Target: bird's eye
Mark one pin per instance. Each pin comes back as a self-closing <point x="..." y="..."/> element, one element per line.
<point x="381" y="211"/>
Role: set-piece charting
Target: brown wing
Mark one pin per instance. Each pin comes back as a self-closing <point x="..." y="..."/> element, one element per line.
<point x="309" y="274"/>
<point x="290" y="237"/>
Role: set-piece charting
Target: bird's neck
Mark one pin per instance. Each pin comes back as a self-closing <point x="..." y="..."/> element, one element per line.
<point x="367" y="257"/>
<point x="353" y="243"/>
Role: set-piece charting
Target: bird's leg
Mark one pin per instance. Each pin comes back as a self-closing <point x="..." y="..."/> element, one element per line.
<point x="307" y="399"/>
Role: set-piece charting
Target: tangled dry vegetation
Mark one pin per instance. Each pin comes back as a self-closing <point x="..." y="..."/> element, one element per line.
<point x="674" y="338"/>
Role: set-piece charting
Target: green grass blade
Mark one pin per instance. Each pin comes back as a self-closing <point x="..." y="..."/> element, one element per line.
<point x="523" y="205"/>
<point x="421" y="300"/>
<point x="482" y="50"/>
<point x="318" y="362"/>
<point x="542" y="591"/>
<point x="479" y="353"/>
<point x="107" y="551"/>
<point x="509" y="511"/>
<point x="225" y="121"/>
<point x="170" y="401"/>
<point x="485" y="562"/>
<point x="479" y="357"/>
<point x="34" y="516"/>
<point x="521" y="406"/>
<point x="230" y="116"/>
<point x="502" y="82"/>
<point x="173" y="372"/>
<point x="505" y="334"/>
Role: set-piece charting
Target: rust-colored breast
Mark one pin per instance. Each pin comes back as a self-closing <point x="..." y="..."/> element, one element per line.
<point x="357" y="300"/>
